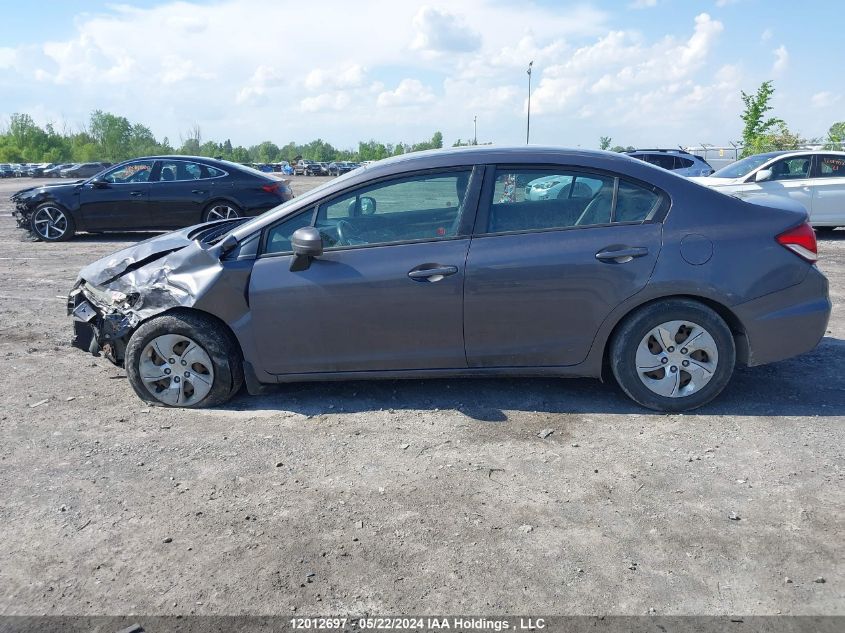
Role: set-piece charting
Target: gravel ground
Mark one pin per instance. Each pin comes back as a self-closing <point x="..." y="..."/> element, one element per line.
<point x="408" y="496"/>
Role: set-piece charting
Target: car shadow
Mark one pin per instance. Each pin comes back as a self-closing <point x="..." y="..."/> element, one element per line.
<point x="812" y="384"/>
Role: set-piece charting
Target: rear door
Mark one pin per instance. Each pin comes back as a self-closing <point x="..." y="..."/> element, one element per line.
<point x="387" y="293"/>
<point x="828" y="185"/>
<point x="119" y="199"/>
<point x="179" y="194"/>
<point x="543" y="275"/>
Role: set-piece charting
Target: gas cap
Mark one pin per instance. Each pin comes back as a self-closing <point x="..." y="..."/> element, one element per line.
<point x="696" y="249"/>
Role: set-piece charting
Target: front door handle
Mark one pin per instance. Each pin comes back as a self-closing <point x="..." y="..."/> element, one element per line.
<point x="622" y="255"/>
<point x="432" y="272"/>
<point x="136" y="194"/>
<point x="198" y="192"/>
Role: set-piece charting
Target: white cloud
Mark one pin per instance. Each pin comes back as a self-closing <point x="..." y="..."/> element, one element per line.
<point x="256" y="88"/>
<point x="824" y="99"/>
<point x="766" y="35"/>
<point x="643" y="4"/>
<point x="724" y="3"/>
<point x="607" y="66"/>
<point x="409" y="92"/>
<point x="781" y="59"/>
<point x="8" y="57"/>
<point x="325" y="102"/>
<point x="352" y="76"/>
<point x="441" y="32"/>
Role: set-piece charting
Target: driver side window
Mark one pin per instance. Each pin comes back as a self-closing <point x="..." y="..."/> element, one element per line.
<point x="426" y="207"/>
<point x="133" y="172"/>
<point x="791" y="169"/>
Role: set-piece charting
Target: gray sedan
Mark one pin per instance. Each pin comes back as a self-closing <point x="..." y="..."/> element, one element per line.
<point x="437" y="264"/>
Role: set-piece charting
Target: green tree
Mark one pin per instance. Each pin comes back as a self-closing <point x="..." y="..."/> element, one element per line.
<point x="835" y="136"/>
<point x="604" y="142"/>
<point x="757" y="124"/>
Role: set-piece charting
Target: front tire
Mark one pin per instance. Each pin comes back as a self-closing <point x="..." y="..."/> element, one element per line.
<point x="51" y="222"/>
<point x="183" y="359"/>
<point x="673" y="355"/>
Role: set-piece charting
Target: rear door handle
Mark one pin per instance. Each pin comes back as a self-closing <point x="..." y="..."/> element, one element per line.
<point x="622" y="255"/>
<point x="198" y="192"/>
<point x="432" y="273"/>
<point x="136" y="194"/>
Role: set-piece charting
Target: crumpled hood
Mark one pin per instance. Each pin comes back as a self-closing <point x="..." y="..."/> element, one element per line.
<point x="133" y="257"/>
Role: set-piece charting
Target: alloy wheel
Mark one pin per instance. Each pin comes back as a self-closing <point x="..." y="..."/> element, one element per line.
<point x="676" y="359"/>
<point x="222" y="212"/>
<point x="176" y="370"/>
<point x="50" y="223"/>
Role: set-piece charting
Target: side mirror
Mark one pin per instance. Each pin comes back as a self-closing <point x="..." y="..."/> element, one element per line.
<point x="368" y="205"/>
<point x="100" y="183"/>
<point x="307" y="243"/>
<point x="763" y="175"/>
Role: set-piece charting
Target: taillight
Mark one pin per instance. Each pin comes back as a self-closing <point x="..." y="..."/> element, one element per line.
<point x="801" y="240"/>
<point x="274" y="188"/>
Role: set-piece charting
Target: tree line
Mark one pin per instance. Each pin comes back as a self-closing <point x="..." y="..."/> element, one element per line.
<point x="108" y="137"/>
<point x="762" y="132"/>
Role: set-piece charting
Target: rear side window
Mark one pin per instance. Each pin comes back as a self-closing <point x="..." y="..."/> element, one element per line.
<point x="544" y="199"/>
<point x="832" y="166"/>
<point x="682" y="163"/>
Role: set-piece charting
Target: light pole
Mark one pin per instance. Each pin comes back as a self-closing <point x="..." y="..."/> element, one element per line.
<point x="475" y="127"/>
<point x="528" y="121"/>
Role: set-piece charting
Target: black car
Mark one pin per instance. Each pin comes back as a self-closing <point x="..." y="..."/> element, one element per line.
<point x="83" y="170"/>
<point x="154" y="193"/>
<point x="56" y="171"/>
<point x="340" y="167"/>
<point x="6" y="170"/>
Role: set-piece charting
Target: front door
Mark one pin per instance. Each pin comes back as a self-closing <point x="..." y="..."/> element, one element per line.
<point x="790" y="179"/>
<point x="542" y="274"/>
<point x="119" y="199"/>
<point x="387" y="293"/>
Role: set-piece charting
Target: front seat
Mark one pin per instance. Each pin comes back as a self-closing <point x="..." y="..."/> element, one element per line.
<point x="167" y="174"/>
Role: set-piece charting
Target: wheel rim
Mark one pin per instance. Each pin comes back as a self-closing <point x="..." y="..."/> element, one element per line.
<point x="176" y="370"/>
<point x="222" y="212"/>
<point x="677" y="359"/>
<point x="50" y="223"/>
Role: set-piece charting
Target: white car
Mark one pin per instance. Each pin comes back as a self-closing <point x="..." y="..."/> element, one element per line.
<point x="816" y="179"/>
<point x="557" y="187"/>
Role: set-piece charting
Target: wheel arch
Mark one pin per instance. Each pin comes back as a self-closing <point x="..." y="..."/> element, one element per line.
<point x="730" y="318"/>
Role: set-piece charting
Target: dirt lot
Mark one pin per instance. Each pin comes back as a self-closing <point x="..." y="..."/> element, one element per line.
<point x="406" y="497"/>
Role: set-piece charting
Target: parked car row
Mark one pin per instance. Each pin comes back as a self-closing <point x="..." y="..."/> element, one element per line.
<point x="51" y="170"/>
<point x="306" y="167"/>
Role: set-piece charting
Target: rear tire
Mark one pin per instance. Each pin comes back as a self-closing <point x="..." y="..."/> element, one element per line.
<point x="221" y="210"/>
<point x="206" y="368"/>
<point x="673" y="355"/>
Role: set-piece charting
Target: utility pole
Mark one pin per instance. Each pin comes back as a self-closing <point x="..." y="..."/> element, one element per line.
<point x="528" y="121"/>
<point x="475" y="126"/>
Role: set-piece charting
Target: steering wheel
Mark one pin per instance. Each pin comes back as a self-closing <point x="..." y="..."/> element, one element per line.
<point x="348" y="234"/>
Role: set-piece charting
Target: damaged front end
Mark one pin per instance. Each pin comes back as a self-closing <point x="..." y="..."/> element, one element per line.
<point x="112" y="296"/>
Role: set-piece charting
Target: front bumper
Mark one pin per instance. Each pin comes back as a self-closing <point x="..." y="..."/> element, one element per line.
<point x="786" y="323"/>
<point x="96" y="329"/>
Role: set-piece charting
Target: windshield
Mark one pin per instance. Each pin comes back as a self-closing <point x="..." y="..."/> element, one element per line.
<point x="745" y="166"/>
<point x="293" y="201"/>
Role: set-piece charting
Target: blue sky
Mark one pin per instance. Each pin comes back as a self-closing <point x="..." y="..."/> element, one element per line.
<point x="646" y="72"/>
